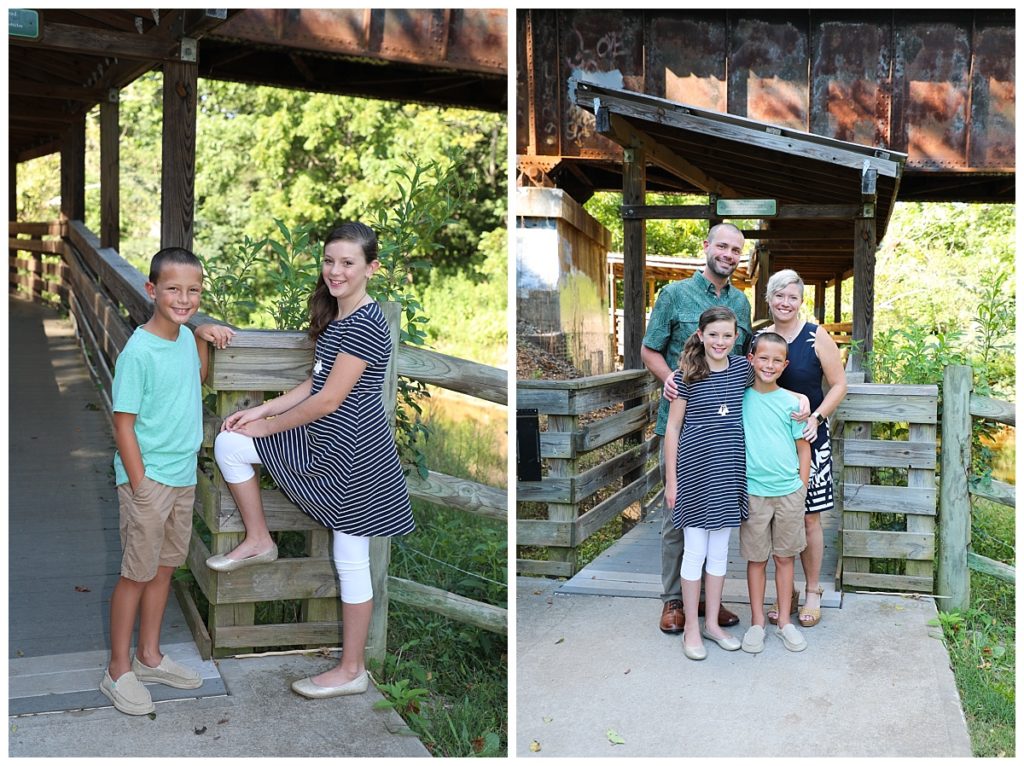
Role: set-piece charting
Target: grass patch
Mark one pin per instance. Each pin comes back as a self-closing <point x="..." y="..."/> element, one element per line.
<point x="982" y="641"/>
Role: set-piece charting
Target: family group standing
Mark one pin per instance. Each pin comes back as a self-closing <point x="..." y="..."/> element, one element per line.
<point x="720" y="400"/>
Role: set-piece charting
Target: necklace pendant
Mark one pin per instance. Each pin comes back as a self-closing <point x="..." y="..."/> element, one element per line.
<point x="723" y="410"/>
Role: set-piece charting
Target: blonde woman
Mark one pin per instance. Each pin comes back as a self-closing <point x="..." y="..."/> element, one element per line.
<point x="812" y="355"/>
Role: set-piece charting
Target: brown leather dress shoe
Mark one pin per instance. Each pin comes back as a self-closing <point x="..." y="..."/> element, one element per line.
<point x="726" y="619"/>
<point x="672" y="617"/>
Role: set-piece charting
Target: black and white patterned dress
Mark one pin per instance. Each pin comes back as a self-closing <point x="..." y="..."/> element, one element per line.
<point x="711" y="461"/>
<point x="343" y="469"/>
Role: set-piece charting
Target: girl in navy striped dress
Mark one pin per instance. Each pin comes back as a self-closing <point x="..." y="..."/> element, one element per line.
<point x="329" y="447"/>
<point x="706" y="484"/>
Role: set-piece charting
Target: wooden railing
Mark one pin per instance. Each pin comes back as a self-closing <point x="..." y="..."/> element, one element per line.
<point x="570" y="441"/>
<point x="959" y="407"/>
<point x="106" y="298"/>
<point x="35" y="268"/>
<point x="856" y="454"/>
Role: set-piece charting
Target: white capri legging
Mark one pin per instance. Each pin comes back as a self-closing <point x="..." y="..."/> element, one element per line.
<point x="236" y="454"/>
<point x="700" y="544"/>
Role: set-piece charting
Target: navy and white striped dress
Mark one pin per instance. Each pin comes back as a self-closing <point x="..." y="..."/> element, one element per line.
<point x="343" y="469"/>
<point x="711" y="462"/>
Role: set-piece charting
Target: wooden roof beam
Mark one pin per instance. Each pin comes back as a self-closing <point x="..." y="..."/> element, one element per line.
<point x="619" y="130"/>
<point x="66" y="38"/>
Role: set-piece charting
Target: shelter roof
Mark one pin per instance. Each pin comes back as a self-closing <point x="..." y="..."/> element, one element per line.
<point x="445" y="56"/>
<point x="820" y="184"/>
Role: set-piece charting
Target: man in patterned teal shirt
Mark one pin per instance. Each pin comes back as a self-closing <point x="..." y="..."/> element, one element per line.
<point x="673" y="320"/>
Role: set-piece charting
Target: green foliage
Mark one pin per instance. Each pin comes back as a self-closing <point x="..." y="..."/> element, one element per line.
<point x="664" y="237"/>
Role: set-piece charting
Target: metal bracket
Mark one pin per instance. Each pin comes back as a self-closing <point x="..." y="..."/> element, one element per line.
<point x="189" y="49"/>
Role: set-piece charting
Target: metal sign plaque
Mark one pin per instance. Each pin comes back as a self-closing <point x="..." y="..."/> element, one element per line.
<point x="745" y="208"/>
<point x="23" y="23"/>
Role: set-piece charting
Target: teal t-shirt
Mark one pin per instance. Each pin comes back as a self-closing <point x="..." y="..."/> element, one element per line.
<point x="773" y="467"/>
<point x="675" y="316"/>
<point x="157" y="380"/>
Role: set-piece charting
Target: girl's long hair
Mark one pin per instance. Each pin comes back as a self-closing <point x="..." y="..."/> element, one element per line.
<point x="692" y="361"/>
<point x="323" y="307"/>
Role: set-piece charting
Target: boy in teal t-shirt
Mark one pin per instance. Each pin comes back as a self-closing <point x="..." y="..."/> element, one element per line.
<point x="778" y="467"/>
<point x="158" y="428"/>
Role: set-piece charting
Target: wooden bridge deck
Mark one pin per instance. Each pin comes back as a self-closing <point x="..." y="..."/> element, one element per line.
<point x="632" y="567"/>
<point x="64" y="550"/>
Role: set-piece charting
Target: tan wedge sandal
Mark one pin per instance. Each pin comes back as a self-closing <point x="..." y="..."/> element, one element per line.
<point x="773" y="610"/>
<point x="809" y="617"/>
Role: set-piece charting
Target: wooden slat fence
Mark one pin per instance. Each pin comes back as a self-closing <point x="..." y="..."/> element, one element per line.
<point x="858" y="457"/>
<point x="959" y="406"/>
<point x="35" y="268"/>
<point x="107" y="300"/>
<point x="568" y="445"/>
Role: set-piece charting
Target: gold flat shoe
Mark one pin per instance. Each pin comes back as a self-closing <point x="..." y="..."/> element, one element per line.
<point x="307" y="688"/>
<point x="221" y="563"/>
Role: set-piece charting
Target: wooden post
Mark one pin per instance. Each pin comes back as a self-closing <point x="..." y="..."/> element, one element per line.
<point x="561" y="468"/>
<point x="380" y="547"/>
<point x="177" y="182"/>
<point x="12" y="188"/>
<point x="837" y="310"/>
<point x="819" y="301"/>
<point x="72" y="173"/>
<point x="764" y="272"/>
<point x="110" y="171"/>
<point x="863" y="290"/>
<point x="634" y="256"/>
<point x="954" y="579"/>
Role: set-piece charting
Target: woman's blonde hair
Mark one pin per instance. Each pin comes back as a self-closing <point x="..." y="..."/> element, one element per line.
<point x="692" y="361"/>
<point x="780" y="280"/>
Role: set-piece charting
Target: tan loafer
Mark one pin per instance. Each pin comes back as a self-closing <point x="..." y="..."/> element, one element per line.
<point x="127" y="694"/>
<point x="307" y="688"/>
<point x="168" y="672"/>
<point x="221" y="563"/>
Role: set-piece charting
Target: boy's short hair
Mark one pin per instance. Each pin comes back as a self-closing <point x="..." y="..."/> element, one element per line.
<point x="773" y="337"/>
<point x="178" y="255"/>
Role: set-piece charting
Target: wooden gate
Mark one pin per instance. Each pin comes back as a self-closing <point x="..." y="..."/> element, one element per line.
<point x="885" y="455"/>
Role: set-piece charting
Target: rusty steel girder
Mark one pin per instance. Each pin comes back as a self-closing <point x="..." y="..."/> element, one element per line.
<point x="938" y="85"/>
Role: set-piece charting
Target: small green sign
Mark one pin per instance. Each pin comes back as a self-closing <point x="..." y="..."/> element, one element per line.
<point x="23" y="23"/>
<point x="745" y="208"/>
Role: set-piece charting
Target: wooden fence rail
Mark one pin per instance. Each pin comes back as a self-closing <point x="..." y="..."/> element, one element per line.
<point x="959" y="406"/>
<point x="106" y="297"/>
<point x="580" y="422"/>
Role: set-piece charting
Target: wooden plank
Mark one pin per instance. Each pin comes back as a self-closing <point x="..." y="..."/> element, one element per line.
<point x="546" y="402"/>
<point x="544" y="568"/>
<point x="993" y="409"/>
<point x="587" y="383"/>
<point x="871" y="498"/>
<point x="856" y="386"/>
<point x="37" y="229"/>
<point x="454" y="374"/>
<point x="918" y="478"/>
<point x="122" y="280"/>
<point x="51" y="246"/>
<point x="590" y="481"/>
<point x="614" y="393"/>
<point x="859" y="543"/>
<point x="889" y="408"/>
<point x="616" y="426"/>
<point x="280" y="512"/>
<point x="326" y="609"/>
<point x="877" y="453"/>
<point x="991" y="567"/>
<point x="178" y="154"/>
<point x="476" y="613"/>
<point x="853" y="520"/>
<point x="609" y="508"/>
<point x="327" y="634"/>
<point x="110" y="43"/>
<point x="98" y="364"/>
<point x="547" y="490"/>
<point x="543" y="532"/>
<point x="462" y="494"/>
<point x="557" y="445"/>
<point x="193" y="619"/>
<point x="899" y="583"/>
<point x="996" y="491"/>
<point x="953" y="580"/>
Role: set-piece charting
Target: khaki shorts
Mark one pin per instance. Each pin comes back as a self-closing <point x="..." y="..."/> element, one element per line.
<point x="774" y="525"/>
<point x="156" y="524"/>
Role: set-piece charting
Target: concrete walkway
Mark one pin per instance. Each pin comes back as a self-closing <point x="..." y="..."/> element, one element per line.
<point x="873" y="681"/>
<point x="64" y="559"/>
